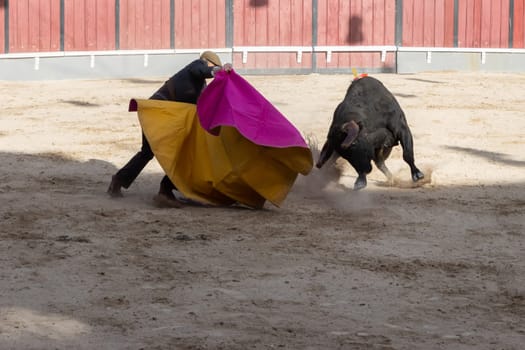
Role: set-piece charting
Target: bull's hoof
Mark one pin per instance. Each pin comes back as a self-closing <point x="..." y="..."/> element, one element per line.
<point x="418" y="175"/>
<point x="359" y="184"/>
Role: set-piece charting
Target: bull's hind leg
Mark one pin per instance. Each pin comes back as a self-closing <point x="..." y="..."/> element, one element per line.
<point x="380" y="156"/>
<point x="383" y="140"/>
<point x="407" y="144"/>
<point x="360" y="182"/>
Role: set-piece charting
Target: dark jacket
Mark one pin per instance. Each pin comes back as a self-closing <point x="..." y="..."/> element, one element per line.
<point x="187" y="84"/>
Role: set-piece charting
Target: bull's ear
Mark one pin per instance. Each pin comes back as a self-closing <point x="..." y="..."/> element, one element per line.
<point x="326" y="153"/>
<point x="351" y="129"/>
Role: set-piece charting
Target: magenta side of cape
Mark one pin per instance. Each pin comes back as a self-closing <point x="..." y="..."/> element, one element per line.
<point x="230" y="100"/>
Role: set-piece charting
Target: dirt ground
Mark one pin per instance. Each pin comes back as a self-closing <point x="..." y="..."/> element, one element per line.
<point x="440" y="265"/>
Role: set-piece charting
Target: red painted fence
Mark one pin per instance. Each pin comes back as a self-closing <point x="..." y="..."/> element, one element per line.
<point x="483" y="23"/>
<point x="95" y="25"/>
<point x="89" y="25"/>
<point x="428" y="23"/>
<point x="200" y="24"/>
<point x="361" y="23"/>
<point x="34" y="25"/>
<point x="2" y="26"/>
<point x="272" y="23"/>
<point x="519" y="23"/>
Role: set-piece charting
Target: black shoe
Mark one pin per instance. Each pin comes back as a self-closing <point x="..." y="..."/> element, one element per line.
<point x="114" y="187"/>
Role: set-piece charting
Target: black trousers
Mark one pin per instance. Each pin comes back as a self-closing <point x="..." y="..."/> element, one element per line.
<point x="135" y="165"/>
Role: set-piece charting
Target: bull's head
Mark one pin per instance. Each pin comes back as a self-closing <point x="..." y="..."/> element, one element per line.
<point x="351" y="130"/>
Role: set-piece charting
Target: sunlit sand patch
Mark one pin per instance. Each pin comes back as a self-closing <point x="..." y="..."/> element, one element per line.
<point x="19" y="322"/>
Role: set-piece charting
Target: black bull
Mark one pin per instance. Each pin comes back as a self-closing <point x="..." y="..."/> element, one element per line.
<point x="366" y="125"/>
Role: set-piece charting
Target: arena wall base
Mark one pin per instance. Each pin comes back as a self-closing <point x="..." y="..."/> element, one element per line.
<point x="164" y="63"/>
<point x="500" y="62"/>
<point x="96" y="66"/>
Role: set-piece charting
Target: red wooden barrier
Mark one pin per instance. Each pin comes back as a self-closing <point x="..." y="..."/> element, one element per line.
<point x="34" y="25"/>
<point x="272" y="23"/>
<point x="2" y="26"/>
<point x="519" y="24"/>
<point x="89" y="25"/>
<point x="144" y="24"/>
<point x="483" y="23"/>
<point x="428" y="23"/>
<point x="200" y="24"/>
<point x="362" y="22"/>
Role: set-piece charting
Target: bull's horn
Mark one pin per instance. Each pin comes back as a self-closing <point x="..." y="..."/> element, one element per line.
<point x="352" y="130"/>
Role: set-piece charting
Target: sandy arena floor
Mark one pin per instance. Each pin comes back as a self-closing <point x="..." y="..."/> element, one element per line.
<point x="440" y="265"/>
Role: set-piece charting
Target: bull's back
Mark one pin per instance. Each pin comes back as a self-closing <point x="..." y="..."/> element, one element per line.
<point x="370" y="98"/>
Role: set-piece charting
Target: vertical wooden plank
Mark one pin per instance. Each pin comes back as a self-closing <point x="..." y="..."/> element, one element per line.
<point x="108" y="26"/>
<point x="68" y="25"/>
<point x="474" y="31"/>
<point x="145" y="24"/>
<point x="322" y="22"/>
<point x="212" y="23"/>
<point x="449" y="24"/>
<point x="221" y="23"/>
<point x="44" y="20"/>
<point x="390" y="23"/>
<point x="419" y="22"/>
<point x="379" y="12"/>
<point x="164" y="30"/>
<point x="126" y="20"/>
<point x="250" y="25"/>
<point x="138" y="24"/>
<point x="100" y="27"/>
<point x="376" y="8"/>
<point x="178" y="26"/>
<point x="429" y="22"/>
<point x="408" y="23"/>
<point x="90" y="18"/>
<point x="471" y="30"/>
<point x="33" y="26"/>
<point x="344" y="14"/>
<point x="2" y="26"/>
<point x="344" y="30"/>
<point x="158" y="23"/>
<point x="332" y="29"/>
<point x="519" y="23"/>
<point x="439" y="23"/>
<point x="273" y="29"/>
<point x="80" y="25"/>
<point x="199" y="23"/>
<point x="238" y="30"/>
<point x="296" y="30"/>
<point x="366" y="13"/>
<point x="493" y="15"/>
<point x="18" y="27"/>
<point x="285" y="30"/>
<point x="380" y="15"/>
<point x="321" y="32"/>
<point x="307" y="39"/>
<point x="146" y="30"/>
<point x="461" y="23"/>
<point x="504" y="24"/>
<point x="261" y="33"/>
<point x="388" y="32"/>
<point x="485" y="17"/>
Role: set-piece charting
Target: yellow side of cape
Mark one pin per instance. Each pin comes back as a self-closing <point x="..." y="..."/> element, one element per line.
<point x="218" y="170"/>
